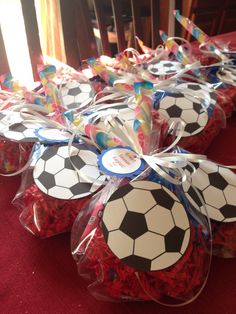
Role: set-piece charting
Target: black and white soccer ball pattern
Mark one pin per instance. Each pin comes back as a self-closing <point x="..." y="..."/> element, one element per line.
<point x="165" y="67"/>
<point x="198" y="93"/>
<point x="13" y="127"/>
<point x="76" y="95"/>
<point x="177" y="107"/>
<point x="217" y="186"/>
<point x="227" y="76"/>
<point x="146" y="226"/>
<point x="55" y="175"/>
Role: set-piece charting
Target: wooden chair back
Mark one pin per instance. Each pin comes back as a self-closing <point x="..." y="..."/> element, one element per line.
<point x="78" y="30"/>
<point x="138" y="25"/>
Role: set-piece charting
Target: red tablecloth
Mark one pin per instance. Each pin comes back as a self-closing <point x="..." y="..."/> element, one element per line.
<point x="40" y="276"/>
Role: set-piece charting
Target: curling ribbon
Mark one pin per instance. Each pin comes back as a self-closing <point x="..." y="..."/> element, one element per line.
<point x="201" y="37"/>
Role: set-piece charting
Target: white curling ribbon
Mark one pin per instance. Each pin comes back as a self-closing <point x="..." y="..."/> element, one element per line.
<point x="144" y="74"/>
<point x="24" y="105"/>
<point x="95" y="116"/>
<point x="113" y="94"/>
<point x="203" y="48"/>
<point x="74" y="132"/>
<point x="160" y="162"/>
<point x="157" y="53"/>
<point x="187" y="43"/>
<point x="168" y="165"/>
<point x="36" y="115"/>
<point x="189" y="67"/>
<point x="119" y="128"/>
<point x="134" y="52"/>
<point x="104" y="110"/>
<point x="164" y="166"/>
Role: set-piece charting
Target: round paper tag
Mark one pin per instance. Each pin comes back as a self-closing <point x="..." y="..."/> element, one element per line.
<point x="53" y="135"/>
<point x="55" y="175"/>
<point x="76" y="94"/>
<point x="146" y="226"/>
<point x="217" y="186"/>
<point x="176" y="107"/>
<point x="120" y="162"/>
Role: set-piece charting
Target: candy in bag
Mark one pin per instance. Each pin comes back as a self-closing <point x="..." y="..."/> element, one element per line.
<point x="54" y="190"/>
<point x="142" y="240"/>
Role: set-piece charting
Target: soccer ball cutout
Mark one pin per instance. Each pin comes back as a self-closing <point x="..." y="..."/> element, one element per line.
<point x="13" y="127"/>
<point x="76" y="95"/>
<point x="227" y="76"/>
<point x="165" y="67"/>
<point x="217" y="186"/>
<point x="55" y="175"/>
<point x="146" y="226"/>
<point x="22" y="132"/>
<point x="198" y="93"/>
<point x="177" y="107"/>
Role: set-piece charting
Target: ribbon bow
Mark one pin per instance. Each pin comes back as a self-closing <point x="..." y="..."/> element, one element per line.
<point x="168" y="165"/>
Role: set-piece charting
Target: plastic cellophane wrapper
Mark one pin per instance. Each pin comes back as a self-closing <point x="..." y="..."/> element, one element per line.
<point x="43" y="215"/>
<point x="13" y="155"/>
<point x="226" y="92"/>
<point x="224" y="238"/>
<point x="159" y="135"/>
<point x="110" y="279"/>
